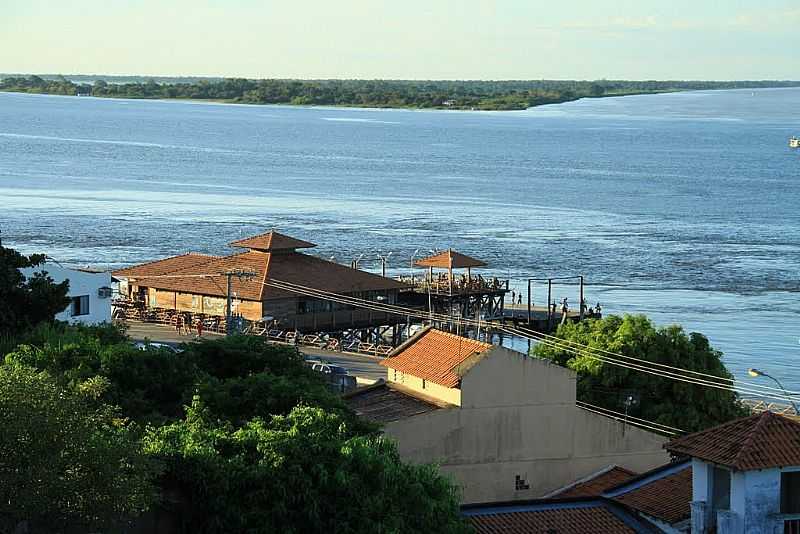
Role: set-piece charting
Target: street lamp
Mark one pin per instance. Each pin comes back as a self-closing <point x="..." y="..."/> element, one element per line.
<point x="414" y="255"/>
<point x="755" y="373"/>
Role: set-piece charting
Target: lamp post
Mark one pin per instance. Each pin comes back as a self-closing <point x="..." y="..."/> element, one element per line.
<point x="414" y="255"/>
<point x="756" y="372"/>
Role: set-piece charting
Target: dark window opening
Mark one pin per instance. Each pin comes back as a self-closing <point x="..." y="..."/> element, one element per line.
<point x="721" y="489"/>
<point x="790" y="492"/>
<point x="80" y="305"/>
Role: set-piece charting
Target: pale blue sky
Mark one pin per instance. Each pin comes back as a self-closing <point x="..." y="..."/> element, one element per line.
<point x="422" y="39"/>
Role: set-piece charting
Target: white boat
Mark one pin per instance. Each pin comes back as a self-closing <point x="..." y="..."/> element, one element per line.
<point x="794" y="142"/>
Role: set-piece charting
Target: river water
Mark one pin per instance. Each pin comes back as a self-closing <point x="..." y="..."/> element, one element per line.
<point x="682" y="206"/>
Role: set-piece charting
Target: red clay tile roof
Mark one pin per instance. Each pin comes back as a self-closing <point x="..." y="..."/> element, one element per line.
<point x="385" y="403"/>
<point x="434" y="355"/>
<point x="581" y="517"/>
<point x="666" y="498"/>
<point x="449" y="259"/>
<point x="183" y="274"/>
<point x="595" y="484"/>
<point x="760" y="441"/>
<point x="165" y="266"/>
<point x="270" y="241"/>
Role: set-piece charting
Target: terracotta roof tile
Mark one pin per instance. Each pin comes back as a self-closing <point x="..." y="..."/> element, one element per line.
<point x="385" y="403"/>
<point x="270" y="241"/>
<point x="165" y="266"/>
<point x="434" y="355"/>
<point x="666" y="497"/>
<point x="760" y="441"/>
<point x="579" y="517"/>
<point x="595" y="484"/>
<point x="183" y="274"/>
<point x="449" y="259"/>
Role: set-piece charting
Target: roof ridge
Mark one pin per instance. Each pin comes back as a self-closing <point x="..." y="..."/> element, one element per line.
<point x="763" y="419"/>
<point x="168" y="258"/>
<point x="456" y="336"/>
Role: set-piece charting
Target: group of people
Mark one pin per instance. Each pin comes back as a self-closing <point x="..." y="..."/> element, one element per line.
<point x="183" y="324"/>
<point x="587" y="311"/>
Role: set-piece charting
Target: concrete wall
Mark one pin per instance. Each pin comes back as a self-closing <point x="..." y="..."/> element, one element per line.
<point x="426" y="387"/>
<point x="80" y="284"/>
<point x="518" y="419"/>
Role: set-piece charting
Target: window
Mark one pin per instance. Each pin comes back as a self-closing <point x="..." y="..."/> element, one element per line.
<point x="721" y="489"/>
<point x="80" y="305"/>
<point x="790" y="492"/>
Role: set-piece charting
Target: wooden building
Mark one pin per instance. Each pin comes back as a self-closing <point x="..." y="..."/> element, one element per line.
<point x="197" y="283"/>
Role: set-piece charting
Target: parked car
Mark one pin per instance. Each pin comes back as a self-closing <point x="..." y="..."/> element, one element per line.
<point x="329" y="369"/>
<point x="142" y="345"/>
<point x="337" y="376"/>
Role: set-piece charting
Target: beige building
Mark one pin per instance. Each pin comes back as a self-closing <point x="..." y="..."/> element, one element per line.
<point x="503" y="424"/>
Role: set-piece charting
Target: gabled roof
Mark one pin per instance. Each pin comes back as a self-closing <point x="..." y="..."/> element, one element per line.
<point x="574" y="516"/>
<point x="271" y="241"/>
<point x="165" y="266"/>
<point x="760" y="441"/>
<point x="449" y="259"/>
<point x="594" y="484"/>
<point x="664" y="493"/>
<point x="435" y="355"/>
<point x="384" y="403"/>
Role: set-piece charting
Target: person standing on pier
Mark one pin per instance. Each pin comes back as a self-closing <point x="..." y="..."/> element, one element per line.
<point x="513" y="297"/>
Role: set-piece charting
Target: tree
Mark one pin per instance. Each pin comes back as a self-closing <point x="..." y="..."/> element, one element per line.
<point x="302" y="472"/>
<point x="65" y="459"/>
<point x="679" y="404"/>
<point x="26" y="302"/>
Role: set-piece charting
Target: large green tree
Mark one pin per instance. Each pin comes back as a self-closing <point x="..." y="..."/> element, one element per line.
<point x="26" y="302"/>
<point x="65" y="460"/>
<point x="302" y="472"/>
<point x="657" y="398"/>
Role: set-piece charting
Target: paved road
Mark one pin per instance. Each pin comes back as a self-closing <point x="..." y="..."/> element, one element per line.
<point x="356" y="364"/>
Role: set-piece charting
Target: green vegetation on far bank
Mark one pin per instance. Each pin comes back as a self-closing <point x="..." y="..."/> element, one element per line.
<point x="468" y="94"/>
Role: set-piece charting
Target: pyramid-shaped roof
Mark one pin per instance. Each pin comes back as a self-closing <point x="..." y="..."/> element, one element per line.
<point x="761" y="441"/>
<point x="271" y="241"/>
<point x="450" y="259"/>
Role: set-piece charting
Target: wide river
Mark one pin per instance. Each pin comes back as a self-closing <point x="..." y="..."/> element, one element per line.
<point x="685" y="206"/>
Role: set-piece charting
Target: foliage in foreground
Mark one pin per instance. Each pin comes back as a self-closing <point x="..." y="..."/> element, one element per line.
<point x="679" y="404"/>
<point x="27" y="301"/>
<point x="66" y="460"/>
<point x="301" y="472"/>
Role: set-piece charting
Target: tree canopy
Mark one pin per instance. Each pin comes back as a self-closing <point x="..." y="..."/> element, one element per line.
<point x="443" y="94"/>
<point x="682" y="405"/>
<point x="65" y="459"/>
<point x="26" y="302"/>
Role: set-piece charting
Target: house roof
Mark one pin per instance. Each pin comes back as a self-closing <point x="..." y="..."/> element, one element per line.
<point x="449" y="259"/>
<point x="576" y="516"/>
<point x="664" y="493"/>
<point x="435" y="355"/>
<point x="271" y="241"/>
<point x="186" y="275"/>
<point x="164" y="266"/>
<point x="760" y="441"/>
<point x="384" y="403"/>
<point x="594" y="484"/>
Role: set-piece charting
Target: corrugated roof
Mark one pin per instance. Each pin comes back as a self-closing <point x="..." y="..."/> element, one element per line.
<point x="449" y="259"/>
<point x="434" y="355"/>
<point x="385" y="403"/>
<point x="760" y="441"/>
<point x="596" y="516"/>
<point x="664" y="493"/>
<point x="594" y="484"/>
<point x="270" y="241"/>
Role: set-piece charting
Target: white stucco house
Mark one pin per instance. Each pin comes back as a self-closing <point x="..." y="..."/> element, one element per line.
<point x="89" y="291"/>
<point x="745" y="476"/>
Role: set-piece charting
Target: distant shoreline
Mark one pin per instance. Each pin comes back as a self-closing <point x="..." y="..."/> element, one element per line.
<point x="374" y="94"/>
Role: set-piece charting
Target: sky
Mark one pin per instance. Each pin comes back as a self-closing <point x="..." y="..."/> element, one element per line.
<point x="405" y="39"/>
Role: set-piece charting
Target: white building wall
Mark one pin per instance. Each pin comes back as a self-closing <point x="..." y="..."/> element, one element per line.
<point x="762" y="501"/>
<point x="80" y="283"/>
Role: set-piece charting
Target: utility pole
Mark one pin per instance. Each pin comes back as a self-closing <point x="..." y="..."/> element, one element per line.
<point x="241" y="275"/>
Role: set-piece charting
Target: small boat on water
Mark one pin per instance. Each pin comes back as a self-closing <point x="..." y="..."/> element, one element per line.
<point x="794" y="142"/>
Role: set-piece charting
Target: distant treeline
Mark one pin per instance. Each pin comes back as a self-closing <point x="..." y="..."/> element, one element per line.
<point x="484" y="95"/>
